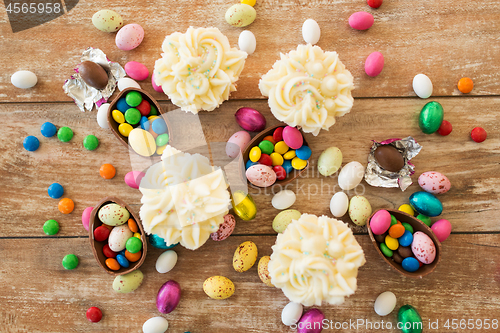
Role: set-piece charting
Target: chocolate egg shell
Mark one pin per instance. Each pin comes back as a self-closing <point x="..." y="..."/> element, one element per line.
<point x="389" y="158"/>
<point x="93" y="74"/>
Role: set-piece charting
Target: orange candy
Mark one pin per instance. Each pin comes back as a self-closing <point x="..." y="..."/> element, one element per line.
<point x="270" y="138"/>
<point x="66" y="206"/>
<point x="397" y="230"/>
<point x="465" y="85"/>
<point x="133" y="257"/>
<point x="132" y="226"/>
<point x="112" y="264"/>
<point x="107" y="171"/>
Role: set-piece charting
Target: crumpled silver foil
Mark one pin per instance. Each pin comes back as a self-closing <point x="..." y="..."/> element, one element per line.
<point x="376" y="176"/>
<point x="84" y="95"/>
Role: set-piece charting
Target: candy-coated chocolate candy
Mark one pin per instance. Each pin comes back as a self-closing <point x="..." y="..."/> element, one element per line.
<point x="278" y="134"/>
<point x="122" y="105"/>
<point x="108" y="252"/>
<point x="249" y="2"/>
<point x="101" y="233"/>
<point x="133" y="178"/>
<point x="55" y="191"/>
<point x="132" y="116"/>
<point x="270" y="139"/>
<point x="361" y="20"/>
<point x="91" y="142"/>
<point x="66" y="206"/>
<point x="391" y="243"/>
<point x="137" y="235"/>
<point x="64" y="134"/>
<point x="292" y="137"/>
<point x="144" y="123"/>
<point x="303" y="153"/>
<point x="243" y="205"/>
<point x="397" y="230"/>
<point x="276" y="159"/>
<point x="144" y="108"/>
<point x="397" y="258"/>
<point x="406" y="239"/>
<point x="118" y="116"/>
<point x="107" y="171"/>
<point x="125" y="129"/>
<point x="442" y="229"/>
<point x="133" y="245"/>
<point x="280" y="172"/>
<point x="445" y="128"/>
<point x="380" y="222"/>
<point x="102" y="115"/>
<point x="465" y="85"/>
<point x="409" y="319"/>
<point x="159" y="150"/>
<point x="70" y="261"/>
<point x="132" y="225"/>
<point x="153" y="111"/>
<point x="385" y="250"/>
<point x="122" y="261"/>
<point x="266" y="160"/>
<point x="407" y="209"/>
<point x="250" y="163"/>
<point x="393" y="220"/>
<point x="255" y="154"/>
<point x="51" y="227"/>
<point x="408" y="226"/>
<point x="112" y="264"/>
<point x="133" y="257"/>
<point x="478" y="134"/>
<point x="153" y="117"/>
<point x="375" y="4"/>
<point x="159" y="126"/>
<point x="162" y="139"/>
<point x="261" y="175"/>
<point x="426" y="203"/>
<point x="289" y="155"/>
<point x="266" y="147"/>
<point x="48" y="129"/>
<point x="385" y="303"/>
<point x="431" y="117"/>
<point x="405" y="251"/>
<point x="425" y="219"/>
<point x="423" y="247"/>
<point x="133" y="98"/>
<point x="287" y="165"/>
<point x="155" y="86"/>
<point x="298" y="164"/>
<point x="94" y="314"/>
<point x="410" y="264"/>
<point x="380" y="238"/>
<point x="281" y="147"/>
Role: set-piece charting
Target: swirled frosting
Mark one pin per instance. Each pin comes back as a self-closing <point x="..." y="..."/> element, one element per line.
<point x="308" y="88"/>
<point x="198" y="69"/>
<point x="316" y="259"/>
<point x="184" y="198"/>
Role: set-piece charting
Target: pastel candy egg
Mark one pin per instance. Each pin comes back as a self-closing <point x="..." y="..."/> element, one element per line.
<point x="113" y="214"/>
<point x="107" y="20"/>
<point x="434" y="182"/>
<point x="247" y="42"/>
<point x="155" y="325"/>
<point x="422" y="86"/>
<point x="129" y="37"/>
<point x="166" y="261"/>
<point x="245" y="256"/>
<point x="261" y="175"/>
<point x="291" y="313"/>
<point x="426" y="203"/>
<point x="339" y="204"/>
<point x="126" y="82"/>
<point x="423" y="248"/>
<point x="263" y="270"/>
<point x="329" y="161"/>
<point x="243" y="205"/>
<point x="359" y="210"/>
<point x="218" y="287"/>
<point x="240" y="15"/>
<point x="237" y="143"/>
<point x="102" y="115"/>
<point x="385" y="303"/>
<point x="142" y="142"/>
<point x="374" y="64"/>
<point x="292" y="137"/>
<point x="361" y="20"/>
<point x="311" y="321"/>
<point x="442" y="229"/>
<point x="380" y="222"/>
<point x="283" y="199"/>
<point x="410" y="264"/>
<point x="225" y="229"/>
<point x="284" y="218"/>
<point x="128" y="283"/>
<point x="431" y="117"/>
<point x="409" y="318"/>
<point x="351" y="175"/>
<point x="118" y="237"/>
<point x="23" y="79"/>
<point x="311" y="31"/>
<point x="133" y="178"/>
<point x="136" y="70"/>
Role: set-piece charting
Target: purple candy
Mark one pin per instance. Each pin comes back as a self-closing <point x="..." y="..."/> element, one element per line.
<point x="168" y="297"/>
<point x="311" y="322"/>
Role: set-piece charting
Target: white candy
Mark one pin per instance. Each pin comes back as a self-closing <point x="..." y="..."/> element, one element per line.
<point x="283" y="199"/>
<point x="311" y="31"/>
<point x="24" y="79"/>
<point x="422" y="86"/>
<point x="126" y="82"/>
<point x="291" y="313"/>
<point x="166" y="261"/>
<point x="247" y="42"/>
<point x="155" y="325"/>
<point x="339" y="204"/>
<point x="102" y="115"/>
<point x="351" y="175"/>
<point x="385" y="303"/>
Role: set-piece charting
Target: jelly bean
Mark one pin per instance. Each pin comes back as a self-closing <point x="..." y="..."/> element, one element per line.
<point x="91" y="142"/>
<point x="132" y="116"/>
<point x="55" y="191"/>
<point x="162" y="139"/>
<point x="107" y="171"/>
<point x="361" y="20"/>
<point x="303" y="153"/>
<point x="465" y="85"/>
<point x="266" y="147"/>
<point x="270" y="139"/>
<point x="445" y="128"/>
<point x="278" y="134"/>
<point x="133" y="257"/>
<point x="159" y="126"/>
<point x="112" y="264"/>
<point x="125" y="129"/>
<point x="298" y="164"/>
<point x="70" y="261"/>
<point x="478" y="134"/>
<point x="48" y="129"/>
<point x="144" y="123"/>
<point x="410" y="264"/>
<point x="408" y="226"/>
<point x="159" y="150"/>
<point x="133" y="245"/>
<point x="133" y="98"/>
<point x="391" y="243"/>
<point x="281" y="147"/>
<point x="94" y="315"/>
<point x="31" y="143"/>
<point x="425" y="219"/>
<point x="118" y="116"/>
<point x="144" y="108"/>
<point x="385" y="250"/>
<point x="280" y="172"/>
<point x="250" y="163"/>
<point x="153" y="111"/>
<point x="132" y="225"/>
<point x="122" y="261"/>
<point x="289" y="155"/>
<point x="101" y="233"/>
<point x="266" y="160"/>
<point x="276" y="159"/>
<point x="406" y="239"/>
<point x="51" y="227"/>
<point x="287" y="165"/>
<point x="374" y="64"/>
<point x="393" y="220"/>
<point x="66" y="206"/>
<point x="397" y="231"/>
<point x="122" y="105"/>
<point x="407" y="209"/>
<point x="108" y="252"/>
<point x="431" y="117"/>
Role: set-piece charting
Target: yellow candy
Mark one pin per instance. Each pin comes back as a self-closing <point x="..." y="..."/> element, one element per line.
<point x="277" y="159"/>
<point x="298" y="164"/>
<point x="243" y="205"/>
<point x="160" y="149"/>
<point x="255" y="154"/>
<point x="289" y="155"/>
<point x="118" y="116"/>
<point x="281" y="147"/>
<point x="151" y="118"/>
<point x="249" y="2"/>
<point x="125" y="129"/>
<point x="392" y="243"/>
<point x="137" y="235"/>
<point x="407" y="209"/>
<point x="142" y="142"/>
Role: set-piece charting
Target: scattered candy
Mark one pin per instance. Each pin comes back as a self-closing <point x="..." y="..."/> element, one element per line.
<point x="218" y="287"/>
<point x="409" y="319"/>
<point x="91" y="142"/>
<point x="351" y="175"/>
<point x="465" y="85"/>
<point x="422" y="86"/>
<point x="107" y="171"/>
<point x="426" y="219"/>
<point x="159" y="243"/>
<point x="245" y="256"/>
<point x="247" y="42"/>
<point x="153" y="83"/>
<point x="359" y="210"/>
<point x="389" y="158"/>
<point x="374" y="3"/>
<point x="339" y="204"/>
<point x="478" y="134"/>
<point x="107" y="20"/>
<point x="129" y="37"/>
<point x="434" y="182"/>
<point x="136" y="70"/>
<point x="166" y="261"/>
<point x="102" y="115"/>
<point x="51" y="227"/>
<point x="240" y="15"/>
<point x="64" y="134"/>
<point x="311" y="31"/>
<point x="311" y="321"/>
<point x="431" y="117"/>
<point x="442" y="229"/>
<point x="284" y="218"/>
<point x="426" y="203"/>
<point x="263" y="270"/>
<point x="291" y="313"/>
<point x="70" y="261"/>
<point x="329" y="161"/>
<point x="385" y="303"/>
<point x="445" y="128"/>
<point x="23" y="79"/>
<point x="93" y="74"/>
<point x="86" y="217"/>
<point x="55" y="191"/>
<point x="133" y="178"/>
<point x="374" y="64"/>
<point x="66" y="206"/>
<point x="128" y="283"/>
<point x="361" y="20"/>
<point x="94" y="314"/>
<point x="168" y="297"/>
<point x="48" y="129"/>
<point x="249" y="2"/>
<point x="225" y="229"/>
<point x="283" y="199"/>
<point x="31" y="143"/>
<point x="155" y="325"/>
<point x="237" y="143"/>
<point x="250" y="119"/>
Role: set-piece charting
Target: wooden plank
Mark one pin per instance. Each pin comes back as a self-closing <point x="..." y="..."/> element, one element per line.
<point x="40" y="296"/>
<point x="470" y="205"/>
<point x="445" y="39"/>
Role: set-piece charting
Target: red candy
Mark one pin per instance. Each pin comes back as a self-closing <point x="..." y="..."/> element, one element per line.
<point x="278" y="134"/>
<point x="374" y="3"/>
<point x="445" y="128"/>
<point x="101" y="233"/>
<point x="144" y="108"/>
<point x="108" y="252"/>
<point x="266" y="160"/>
<point x="94" y="314"/>
<point x="478" y="134"/>
<point x="280" y="172"/>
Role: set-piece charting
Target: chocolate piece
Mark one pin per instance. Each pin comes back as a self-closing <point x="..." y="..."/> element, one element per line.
<point x="380" y="238"/>
<point x="397" y="258"/>
<point x="389" y="158"/>
<point x="93" y="74"/>
<point x="405" y="251"/>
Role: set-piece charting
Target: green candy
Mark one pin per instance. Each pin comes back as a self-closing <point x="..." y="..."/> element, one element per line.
<point x="70" y="261"/>
<point x="409" y="319"/>
<point x="266" y="147"/>
<point x="90" y="142"/>
<point x="162" y="139"/>
<point x="64" y="134"/>
<point x="385" y="250"/>
<point x="425" y="219"/>
<point x="153" y="111"/>
<point x="51" y="227"/>
<point x="408" y="227"/>
<point x="430" y="117"/>
<point x="133" y="245"/>
<point x="132" y="116"/>
<point x="393" y="220"/>
<point x="133" y="98"/>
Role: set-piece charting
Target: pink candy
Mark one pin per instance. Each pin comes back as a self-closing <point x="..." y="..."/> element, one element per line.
<point x="361" y="20"/>
<point x="374" y="64"/>
<point x="155" y="87"/>
<point x="442" y="229"/>
<point x="86" y="217"/>
<point x="133" y="178"/>
<point x="292" y="137"/>
<point x="136" y="70"/>
<point x="380" y="222"/>
<point x="225" y="229"/>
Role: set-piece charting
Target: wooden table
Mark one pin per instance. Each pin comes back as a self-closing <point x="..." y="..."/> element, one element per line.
<point x="444" y="39"/>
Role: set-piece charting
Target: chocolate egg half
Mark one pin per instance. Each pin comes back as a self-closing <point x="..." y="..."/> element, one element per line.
<point x="93" y="74"/>
<point x="389" y="158"/>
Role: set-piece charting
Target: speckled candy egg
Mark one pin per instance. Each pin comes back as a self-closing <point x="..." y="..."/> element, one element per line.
<point x="283" y="219"/>
<point x="434" y="182"/>
<point x="359" y="210"/>
<point x="240" y="15"/>
<point x="423" y="248"/>
<point x="128" y="283"/>
<point x="245" y="256"/>
<point x="118" y="237"/>
<point x="129" y="37"/>
<point x="225" y="229"/>
<point x="237" y="143"/>
<point x="107" y="20"/>
<point x="264" y="271"/>
<point x="261" y="175"/>
<point x="218" y="287"/>
<point x="113" y="214"/>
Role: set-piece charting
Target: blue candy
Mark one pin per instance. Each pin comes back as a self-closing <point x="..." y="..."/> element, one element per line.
<point x="48" y="129"/>
<point x="122" y="252"/>
<point x="159" y="126"/>
<point x="159" y="243"/>
<point x="250" y="163"/>
<point x="122" y="105"/>
<point x="55" y="191"/>
<point x="303" y="153"/>
<point x="287" y="165"/>
<point x="410" y="264"/>
<point x="144" y="123"/>
<point x="31" y="143"/>
<point x="122" y="261"/>
<point x="426" y="203"/>
<point x="406" y="239"/>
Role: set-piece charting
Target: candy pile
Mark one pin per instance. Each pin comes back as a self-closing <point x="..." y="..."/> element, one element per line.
<point x="64" y="134"/>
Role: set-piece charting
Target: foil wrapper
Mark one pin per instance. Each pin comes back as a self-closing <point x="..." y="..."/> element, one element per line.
<point x="376" y="176"/>
<point x="84" y="95"/>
